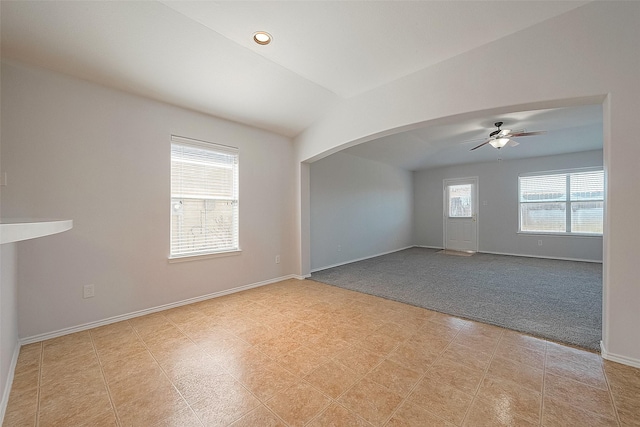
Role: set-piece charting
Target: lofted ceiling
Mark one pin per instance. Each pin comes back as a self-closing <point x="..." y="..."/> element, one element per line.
<point x="200" y="55"/>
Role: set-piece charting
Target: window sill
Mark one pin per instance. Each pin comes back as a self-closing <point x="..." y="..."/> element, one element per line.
<point x="542" y="233"/>
<point x="188" y="258"/>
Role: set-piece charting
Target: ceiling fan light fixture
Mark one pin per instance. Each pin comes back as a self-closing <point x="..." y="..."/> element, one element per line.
<point x="262" y="37"/>
<point x="501" y="137"/>
<point x="499" y="142"/>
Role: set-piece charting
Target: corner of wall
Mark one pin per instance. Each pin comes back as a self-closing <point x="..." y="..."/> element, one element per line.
<point x="9" y="345"/>
<point x="618" y="358"/>
<point x="8" y="382"/>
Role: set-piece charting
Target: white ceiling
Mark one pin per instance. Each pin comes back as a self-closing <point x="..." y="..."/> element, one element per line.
<point x="567" y="130"/>
<point x="200" y="55"/>
<point x="349" y="47"/>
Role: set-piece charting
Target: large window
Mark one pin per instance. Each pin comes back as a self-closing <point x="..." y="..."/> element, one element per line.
<point x="204" y="198"/>
<point x="567" y="202"/>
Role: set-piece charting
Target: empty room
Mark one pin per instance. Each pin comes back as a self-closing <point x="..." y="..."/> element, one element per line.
<point x="535" y="270"/>
<point x="319" y="213"/>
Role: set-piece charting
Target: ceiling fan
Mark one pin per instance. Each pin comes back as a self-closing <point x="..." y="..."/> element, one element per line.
<point x="501" y="137"/>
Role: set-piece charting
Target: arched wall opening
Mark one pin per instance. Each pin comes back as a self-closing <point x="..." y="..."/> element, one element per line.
<point x="589" y="53"/>
<point x="306" y="242"/>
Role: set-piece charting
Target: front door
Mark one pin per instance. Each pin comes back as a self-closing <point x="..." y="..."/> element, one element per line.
<point x="461" y="214"/>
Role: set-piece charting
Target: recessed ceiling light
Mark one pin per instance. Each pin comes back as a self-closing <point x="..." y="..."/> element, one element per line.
<point x="262" y="37"/>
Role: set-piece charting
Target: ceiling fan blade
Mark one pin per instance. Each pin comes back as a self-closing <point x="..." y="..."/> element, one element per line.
<point x="484" y="143"/>
<point x="515" y="135"/>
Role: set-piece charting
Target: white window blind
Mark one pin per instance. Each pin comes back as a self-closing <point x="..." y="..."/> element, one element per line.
<point x="204" y="198"/>
<point x="543" y="203"/>
<point x="460" y="201"/>
<point x="587" y="202"/>
<point x="567" y="202"/>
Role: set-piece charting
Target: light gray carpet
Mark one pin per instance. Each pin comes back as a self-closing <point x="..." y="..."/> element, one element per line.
<point x="557" y="300"/>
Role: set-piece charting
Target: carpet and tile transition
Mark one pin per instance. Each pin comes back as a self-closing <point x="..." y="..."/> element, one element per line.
<point x="552" y="299"/>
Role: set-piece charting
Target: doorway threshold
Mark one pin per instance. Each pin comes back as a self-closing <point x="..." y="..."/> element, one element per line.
<point x="456" y="253"/>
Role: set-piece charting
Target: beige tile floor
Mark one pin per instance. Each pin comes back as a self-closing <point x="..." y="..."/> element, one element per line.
<point x="303" y="353"/>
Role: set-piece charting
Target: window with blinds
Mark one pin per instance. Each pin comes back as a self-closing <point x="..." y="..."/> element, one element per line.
<point x="204" y="198"/>
<point x="567" y="202"/>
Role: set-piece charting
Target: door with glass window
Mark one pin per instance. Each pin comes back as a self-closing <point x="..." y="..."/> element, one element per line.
<point x="461" y="214"/>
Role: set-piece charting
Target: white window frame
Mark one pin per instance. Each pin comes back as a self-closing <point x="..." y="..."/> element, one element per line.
<point x="177" y="255"/>
<point x="567" y="201"/>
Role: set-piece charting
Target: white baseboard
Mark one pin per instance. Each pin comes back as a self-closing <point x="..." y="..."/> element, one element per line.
<point x="440" y="248"/>
<point x="7" y="386"/>
<point x="360" y="259"/>
<point x="630" y="361"/>
<point x="119" y="318"/>
<point x="543" y="257"/>
<point x="522" y="255"/>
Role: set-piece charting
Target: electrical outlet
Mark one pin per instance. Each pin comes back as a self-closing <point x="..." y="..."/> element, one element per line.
<point x="339" y="248"/>
<point x="539" y="242"/>
<point x="277" y="259"/>
<point x="89" y="291"/>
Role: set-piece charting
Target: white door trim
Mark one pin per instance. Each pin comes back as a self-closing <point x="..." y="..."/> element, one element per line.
<point x="453" y="181"/>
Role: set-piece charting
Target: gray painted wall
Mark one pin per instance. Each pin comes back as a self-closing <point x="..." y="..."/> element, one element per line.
<point x="359" y="208"/>
<point x="498" y="219"/>
<point x="101" y="157"/>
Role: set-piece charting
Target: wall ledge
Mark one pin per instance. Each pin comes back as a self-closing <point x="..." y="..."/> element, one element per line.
<point x="18" y="229"/>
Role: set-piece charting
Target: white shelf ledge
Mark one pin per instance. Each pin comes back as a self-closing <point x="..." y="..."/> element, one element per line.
<point x="18" y="229"/>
